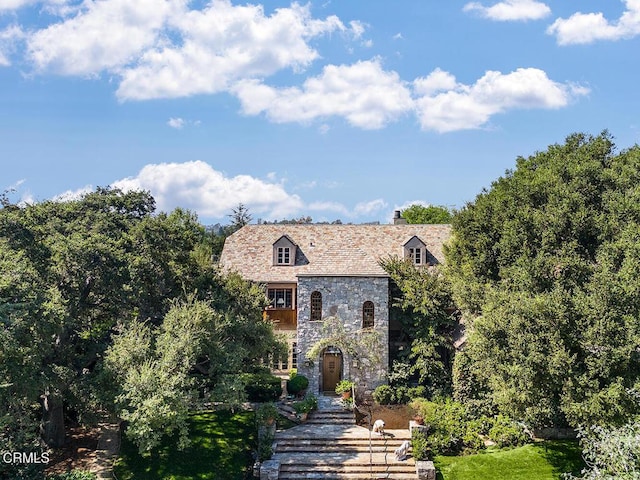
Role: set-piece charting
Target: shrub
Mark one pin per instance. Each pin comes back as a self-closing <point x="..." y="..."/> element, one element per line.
<point x="265" y="413"/>
<point x="391" y="395"/>
<point x="384" y="395"/>
<point x="419" y="445"/>
<point x="506" y="433"/>
<point x="297" y="384"/>
<point x="262" y="387"/>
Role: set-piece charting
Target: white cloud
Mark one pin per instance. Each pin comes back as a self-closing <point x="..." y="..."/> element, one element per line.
<point x="104" y="35"/>
<point x="369" y="208"/>
<point x="177" y="123"/>
<point x="326" y="206"/>
<point x="8" y="39"/>
<point x="15" y="4"/>
<point x="510" y="10"/>
<point x="590" y="27"/>
<point x="398" y="36"/>
<point x="436" y="81"/>
<point x="363" y="93"/>
<point x="70" y="195"/>
<point x="197" y="186"/>
<point x="224" y="43"/>
<point x="471" y="106"/>
<point x="164" y="49"/>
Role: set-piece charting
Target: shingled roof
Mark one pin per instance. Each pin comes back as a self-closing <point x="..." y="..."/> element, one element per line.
<point x="325" y="250"/>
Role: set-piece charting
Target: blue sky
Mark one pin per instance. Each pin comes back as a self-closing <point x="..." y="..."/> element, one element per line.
<point x="332" y="109"/>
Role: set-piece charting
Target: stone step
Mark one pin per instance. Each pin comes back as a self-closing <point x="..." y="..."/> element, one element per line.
<point x="335" y="448"/>
<point x="319" y="444"/>
<point x="346" y="476"/>
<point x="343" y="459"/>
<point x="350" y="468"/>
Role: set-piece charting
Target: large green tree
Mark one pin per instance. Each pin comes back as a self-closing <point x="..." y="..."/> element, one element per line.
<point x="71" y="275"/>
<point x="546" y="265"/>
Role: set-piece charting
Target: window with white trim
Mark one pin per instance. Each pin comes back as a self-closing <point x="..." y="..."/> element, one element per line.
<point x="283" y="256"/>
<point x="280" y="297"/>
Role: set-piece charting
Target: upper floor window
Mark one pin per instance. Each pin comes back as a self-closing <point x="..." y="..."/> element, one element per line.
<point x="316" y="306"/>
<point x="280" y="297"/>
<point x="415" y="254"/>
<point x="368" y="313"/>
<point x="284" y="256"/>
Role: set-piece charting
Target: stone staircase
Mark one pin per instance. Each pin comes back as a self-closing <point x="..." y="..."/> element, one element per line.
<point x="329" y="446"/>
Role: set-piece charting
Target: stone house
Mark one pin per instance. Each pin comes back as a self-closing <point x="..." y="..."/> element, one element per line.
<point x="312" y="272"/>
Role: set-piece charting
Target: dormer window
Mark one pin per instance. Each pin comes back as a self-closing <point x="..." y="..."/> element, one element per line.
<point x="284" y="256"/>
<point x="415" y="254"/>
<point x="416" y="251"/>
<point x="284" y="251"/>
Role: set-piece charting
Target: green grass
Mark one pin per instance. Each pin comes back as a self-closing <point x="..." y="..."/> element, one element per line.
<point x="540" y="461"/>
<point x="221" y="445"/>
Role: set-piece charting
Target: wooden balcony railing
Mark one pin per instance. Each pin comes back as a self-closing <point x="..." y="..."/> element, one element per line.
<point x="283" y="319"/>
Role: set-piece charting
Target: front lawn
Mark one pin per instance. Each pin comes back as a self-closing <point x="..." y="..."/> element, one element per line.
<point x="221" y="450"/>
<point x="540" y="461"/>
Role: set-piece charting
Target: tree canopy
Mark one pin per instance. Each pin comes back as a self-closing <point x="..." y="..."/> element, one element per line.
<point x="435" y="214"/>
<point x="76" y="275"/>
<point x="546" y="266"/>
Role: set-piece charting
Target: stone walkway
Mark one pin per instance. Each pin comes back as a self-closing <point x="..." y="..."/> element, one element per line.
<point x="107" y="451"/>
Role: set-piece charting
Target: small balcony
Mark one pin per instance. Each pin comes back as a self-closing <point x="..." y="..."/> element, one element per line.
<point x="282" y="318"/>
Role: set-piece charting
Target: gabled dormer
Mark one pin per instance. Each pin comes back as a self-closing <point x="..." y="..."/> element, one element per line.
<point x="284" y="252"/>
<point x="416" y="251"/>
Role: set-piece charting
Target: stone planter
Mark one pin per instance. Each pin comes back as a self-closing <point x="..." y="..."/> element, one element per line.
<point x="425" y="470"/>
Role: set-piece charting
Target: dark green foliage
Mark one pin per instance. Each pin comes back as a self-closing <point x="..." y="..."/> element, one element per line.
<point x="452" y="430"/>
<point x="545" y="264"/>
<point x="75" y="275"/>
<point x="423" y="305"/>
<point x="262" y="387"/>
<point x="384" y="395"/>
<point x="420" y="446"/>
<point x="297" y="384"/>
<point x="431" y="214"/>
<point x="507" y="433"/>
<point x="392" y="395"/>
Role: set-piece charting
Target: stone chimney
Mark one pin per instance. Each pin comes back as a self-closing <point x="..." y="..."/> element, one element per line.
<point x="397" y="219"/>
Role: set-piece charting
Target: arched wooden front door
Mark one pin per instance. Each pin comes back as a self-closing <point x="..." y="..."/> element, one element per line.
<point x="331" y="368"/>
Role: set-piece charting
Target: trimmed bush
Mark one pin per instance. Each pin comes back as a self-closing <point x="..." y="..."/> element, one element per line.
<point x="261" y="387"/>
<point x="397" y="395"/>
<point x="384" y="395"/>
<point x="297" y="384"/>
<point x="507" y="433"/>
<point x="419" y="446"/>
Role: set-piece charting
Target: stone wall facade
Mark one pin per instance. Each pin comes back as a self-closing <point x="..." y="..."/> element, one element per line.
<point x="343" y="298"/>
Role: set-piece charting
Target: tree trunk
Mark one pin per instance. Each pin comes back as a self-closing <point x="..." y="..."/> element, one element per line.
<point x="52" y="427"/>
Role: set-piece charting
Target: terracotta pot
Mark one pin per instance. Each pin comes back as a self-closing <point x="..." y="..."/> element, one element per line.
<point x="346" y="395"/>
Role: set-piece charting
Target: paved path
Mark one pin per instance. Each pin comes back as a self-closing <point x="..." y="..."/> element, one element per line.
<point x="107" y="451"/>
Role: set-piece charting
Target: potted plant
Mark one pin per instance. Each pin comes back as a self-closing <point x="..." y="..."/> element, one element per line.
<point x="305" y="406"/>
<point x="344" y="388"/>
<point x="266" y="414"/>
